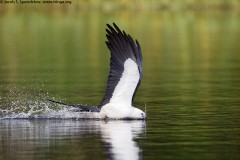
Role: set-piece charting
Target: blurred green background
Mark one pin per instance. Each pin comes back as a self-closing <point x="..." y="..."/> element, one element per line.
<point x="191" y="64"/>
<point x="141" y="5"/>
<point x="53" y="46"/>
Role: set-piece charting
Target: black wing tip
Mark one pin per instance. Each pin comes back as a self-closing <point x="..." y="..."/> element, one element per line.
<point x="116" y="33"/>
<point x="137" y="42"/>
<point x="111" y="28"/>
<point x="122" y="44"/>
<point x="114" y="24"/>
<point x="114" y="29"/>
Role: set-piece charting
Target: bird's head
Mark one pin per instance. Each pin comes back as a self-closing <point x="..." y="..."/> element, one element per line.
<point x="138" y="114"/>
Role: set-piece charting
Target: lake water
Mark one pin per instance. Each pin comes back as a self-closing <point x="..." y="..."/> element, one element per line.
<point x="190" y="86"/>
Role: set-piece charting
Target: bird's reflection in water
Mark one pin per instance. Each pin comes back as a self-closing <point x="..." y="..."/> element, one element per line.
<point x="120" y="135"/>
<point x="42" y="138"/>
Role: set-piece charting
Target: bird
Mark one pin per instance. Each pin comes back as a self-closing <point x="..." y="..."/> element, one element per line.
<point x="123" y="80"/>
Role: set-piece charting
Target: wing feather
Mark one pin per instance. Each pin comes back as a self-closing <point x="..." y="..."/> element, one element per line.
<point x="122" y="47"/>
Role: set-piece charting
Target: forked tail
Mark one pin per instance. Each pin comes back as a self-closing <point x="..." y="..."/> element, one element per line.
<point x="79" y="108"/>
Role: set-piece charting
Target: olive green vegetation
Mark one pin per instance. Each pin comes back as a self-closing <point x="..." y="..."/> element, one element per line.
<point x="130" y="5"/>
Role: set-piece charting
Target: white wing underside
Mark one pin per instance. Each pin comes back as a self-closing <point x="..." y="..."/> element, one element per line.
<point x="123" y="93"/>
<point x="120" y="104"/>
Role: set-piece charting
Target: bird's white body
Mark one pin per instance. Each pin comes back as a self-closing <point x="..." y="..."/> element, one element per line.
<point x="113" y="111"/>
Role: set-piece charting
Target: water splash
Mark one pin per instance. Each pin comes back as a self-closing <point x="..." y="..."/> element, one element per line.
<point x="43" y="110"/>
<point x="20" y="105"/>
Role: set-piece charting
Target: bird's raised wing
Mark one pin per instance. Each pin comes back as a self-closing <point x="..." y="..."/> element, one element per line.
<point x="125" y="67"/>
